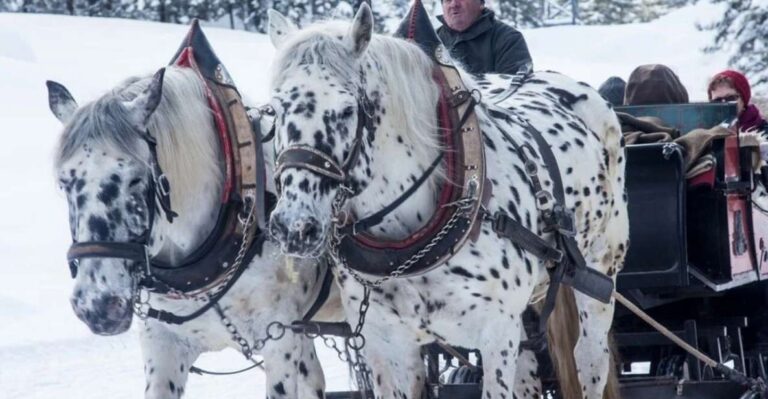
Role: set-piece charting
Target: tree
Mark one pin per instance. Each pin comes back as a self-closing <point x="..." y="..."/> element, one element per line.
<point x="743" y="31"/>
<point x="519" y="13"/>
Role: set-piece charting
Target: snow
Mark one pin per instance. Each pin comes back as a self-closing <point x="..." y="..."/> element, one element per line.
<point x="45" y="351"/>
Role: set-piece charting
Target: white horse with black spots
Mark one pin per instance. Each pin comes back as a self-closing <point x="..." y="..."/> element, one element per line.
<point x="475" y="299"/>
<point x="103" y="166"/>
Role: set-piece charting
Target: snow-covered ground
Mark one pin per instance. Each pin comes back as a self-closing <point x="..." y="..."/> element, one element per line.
<point x="45" y="352"/>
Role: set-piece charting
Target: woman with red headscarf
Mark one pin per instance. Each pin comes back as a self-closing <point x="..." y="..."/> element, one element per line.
<point x="732" y="86"/>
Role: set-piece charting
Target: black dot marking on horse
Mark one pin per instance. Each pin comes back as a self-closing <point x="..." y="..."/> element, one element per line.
<point x="303" y="369"/>
<point x="171" y="386"/>
<point x="294" y="134"/>
<point x="279" y="388"/>
<point x="304" y="185"/>
<point x="99" y="228"/>
<point x="489" y="143"/>
<point x="461" y="272"/>
<point x="108" y="193"/>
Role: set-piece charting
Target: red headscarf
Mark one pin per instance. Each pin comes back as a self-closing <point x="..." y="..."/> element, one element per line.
<point x="739" y="81"/>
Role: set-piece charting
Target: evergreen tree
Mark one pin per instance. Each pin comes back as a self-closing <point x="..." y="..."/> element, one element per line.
<point x="519" y="13"/>
<point x="743" y="30"/>
<point x="604" y="12"/>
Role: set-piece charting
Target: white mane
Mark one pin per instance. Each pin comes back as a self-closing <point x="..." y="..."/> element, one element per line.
<point x="188" y="151"/>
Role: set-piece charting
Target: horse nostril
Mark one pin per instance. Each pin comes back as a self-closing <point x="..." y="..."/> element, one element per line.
<point x="115" y="303"/>
<point x="112" y="305"/>
<point x="277" y="228"/>
<point x="311" y="229"/>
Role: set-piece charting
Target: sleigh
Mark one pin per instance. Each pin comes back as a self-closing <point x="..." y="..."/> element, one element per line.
<point x="696" y="259"/>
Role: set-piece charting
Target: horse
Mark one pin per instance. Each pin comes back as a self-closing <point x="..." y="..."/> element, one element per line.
<point x="364" y="104"/>
<point x="104" y="167"/>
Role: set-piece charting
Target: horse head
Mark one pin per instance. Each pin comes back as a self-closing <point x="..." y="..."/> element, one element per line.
<point x="328" y="95"/>
<point x="103" y="168"/>
<point x="117" y="160"/>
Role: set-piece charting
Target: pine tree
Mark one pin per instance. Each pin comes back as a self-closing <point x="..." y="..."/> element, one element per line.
<point x="744" y="31"/>
<point x="519" y="13"/>
<point x="604" y="12"/>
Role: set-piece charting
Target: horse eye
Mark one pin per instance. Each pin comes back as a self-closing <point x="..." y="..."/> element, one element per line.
<point x="134" y="182"/>
<point x="347" y="112"/>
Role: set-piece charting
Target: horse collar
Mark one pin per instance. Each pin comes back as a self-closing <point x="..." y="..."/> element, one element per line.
<point x="459" y="204"/>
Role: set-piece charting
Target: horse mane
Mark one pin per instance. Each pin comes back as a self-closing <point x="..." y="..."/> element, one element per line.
<point x="182" y="125"/>
<point x="411" y="102"/>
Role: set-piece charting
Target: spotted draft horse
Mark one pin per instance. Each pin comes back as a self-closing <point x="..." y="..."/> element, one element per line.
<point x="325" y="78"/>
<point x="103" y="167"/>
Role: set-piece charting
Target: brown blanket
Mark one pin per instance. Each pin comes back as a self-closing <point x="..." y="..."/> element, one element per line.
<point x="645" y="129"/>
<point x="642" y="130"/>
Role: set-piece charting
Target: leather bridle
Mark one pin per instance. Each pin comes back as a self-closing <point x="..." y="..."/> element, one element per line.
<point x="158" y="191"/>
<point x="302" y="156"/>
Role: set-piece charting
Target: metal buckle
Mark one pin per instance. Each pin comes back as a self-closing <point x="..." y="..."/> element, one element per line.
<point x="498" y="222"/>
<point x="563" y="221"/>
<point x="531" y="169"/>
<point x="544" y="200"/>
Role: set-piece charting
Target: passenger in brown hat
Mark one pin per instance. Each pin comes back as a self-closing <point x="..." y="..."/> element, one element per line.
<point x="654" y="84"/>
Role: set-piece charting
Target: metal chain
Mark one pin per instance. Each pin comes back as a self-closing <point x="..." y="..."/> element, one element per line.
<point x="274" y="332"/>
<point x="140" y="305"/>
<point x="463" y="206"/>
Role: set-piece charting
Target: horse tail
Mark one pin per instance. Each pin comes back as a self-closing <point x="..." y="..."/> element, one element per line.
<point x="562" y="334"/>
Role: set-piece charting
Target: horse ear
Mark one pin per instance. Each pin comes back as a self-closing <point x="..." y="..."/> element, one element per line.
<point x="145" y="104"/>
<point x="279" y="27"/>
<point x="360" y="33"/>
<point x="60" y="101"/>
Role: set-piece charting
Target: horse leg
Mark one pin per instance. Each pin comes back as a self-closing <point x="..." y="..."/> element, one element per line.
<point x="527" y="381"/>
<point x="592" y="352"/>
<point x="293" y="370"/>
<point x="167" y="359"/>
<point x="397" y="368"/>
<point x="500" y="355"/>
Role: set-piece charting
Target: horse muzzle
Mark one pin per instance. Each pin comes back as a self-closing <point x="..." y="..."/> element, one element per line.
<point x="106" y="315"/>
<point x="301" y="237"/>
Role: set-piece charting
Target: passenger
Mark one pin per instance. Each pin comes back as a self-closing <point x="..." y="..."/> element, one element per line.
<point x="654" y="84"/>
<point x="613" y="90"/>
<point x="481" y="43"/>
<point x="651" y="85"/>
<point x="732" y="86"/>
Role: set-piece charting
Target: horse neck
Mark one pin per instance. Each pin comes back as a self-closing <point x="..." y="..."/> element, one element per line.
<point x="404" y="147"/>
<point x="188" y="152"/>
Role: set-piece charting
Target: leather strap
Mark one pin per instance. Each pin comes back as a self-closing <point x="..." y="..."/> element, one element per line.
<point x="309" y="158"/>
<point x="322" y="296"/>
<point x="511" y="229"/>
<point x="373" y="220"/>
<point x="171" y="318"/>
